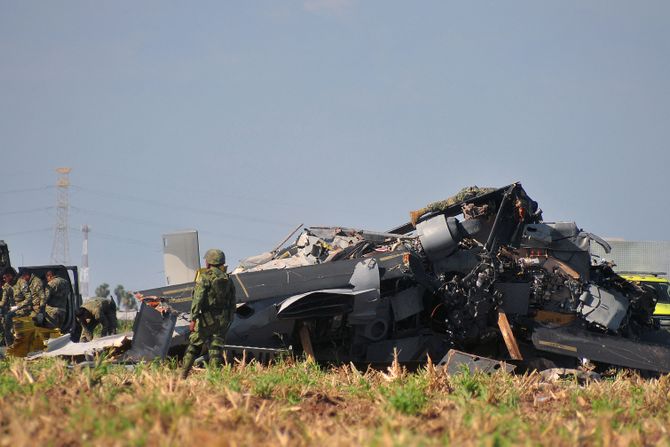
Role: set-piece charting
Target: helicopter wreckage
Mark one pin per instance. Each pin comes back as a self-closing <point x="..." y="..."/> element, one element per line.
<point x="478" y="279"/>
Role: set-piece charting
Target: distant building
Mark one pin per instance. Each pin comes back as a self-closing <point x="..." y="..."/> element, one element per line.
<point x="637" y="256"/>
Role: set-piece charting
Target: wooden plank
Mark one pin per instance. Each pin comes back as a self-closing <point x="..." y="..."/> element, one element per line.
<point x="306" y="342"/>
<point x="508" y="336"/>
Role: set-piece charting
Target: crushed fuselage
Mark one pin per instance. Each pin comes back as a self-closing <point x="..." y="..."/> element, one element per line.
<point x="479" y="272"/>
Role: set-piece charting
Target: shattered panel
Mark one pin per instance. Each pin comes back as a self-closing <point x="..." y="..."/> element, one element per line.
<point x="606" y="309"/>
<point x="177" y="296"/>
<point x="456" y="362"/>
<point x="320" y="303"/>
<point x="407" y="303"/>
<point x="152" y="334"/>
<point x="257" y="324"/>
<point x="582" y="344"/>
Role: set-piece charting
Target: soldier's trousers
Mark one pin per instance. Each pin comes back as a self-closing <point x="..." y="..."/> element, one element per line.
<point x="214" y="337"/>
<point x="109" y="323"/>
<point x="55" y="316"/>
<point x="6" y="337"/>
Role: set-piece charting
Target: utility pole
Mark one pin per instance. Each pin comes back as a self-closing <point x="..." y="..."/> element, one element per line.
<point x="83" y="276"/>
<point x="60" y="253"/>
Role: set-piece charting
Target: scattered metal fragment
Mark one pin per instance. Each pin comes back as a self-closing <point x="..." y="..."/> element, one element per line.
<point x="152" y="334"/>
<point x="112" y="345"/>
<point x="456" y="362"/>
<point x="554" y="374"/>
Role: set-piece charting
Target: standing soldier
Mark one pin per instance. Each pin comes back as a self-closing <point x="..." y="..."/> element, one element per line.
<point x="29" y="297"/>
<point x="57" y="297"/>
<point x="94" y="312"/>
<point x="212" y="311"/>
<point x="6" y="303"/>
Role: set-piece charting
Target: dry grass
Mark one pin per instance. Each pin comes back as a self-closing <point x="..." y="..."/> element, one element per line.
<point x="299" y="403"/>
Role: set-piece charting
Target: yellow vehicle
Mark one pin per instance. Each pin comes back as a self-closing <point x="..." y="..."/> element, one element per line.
<point x="662" y="287"/>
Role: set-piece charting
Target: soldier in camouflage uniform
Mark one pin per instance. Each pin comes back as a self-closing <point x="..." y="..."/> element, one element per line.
<point x="57" y="297"/>
<point x="6" y="303"/>
<point x="29" y="297"/>
<point x="212" y="311"/>
<point x="94" y="312"/>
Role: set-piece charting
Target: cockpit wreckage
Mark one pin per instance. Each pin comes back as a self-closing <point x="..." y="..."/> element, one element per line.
<point x="479" y="273"/>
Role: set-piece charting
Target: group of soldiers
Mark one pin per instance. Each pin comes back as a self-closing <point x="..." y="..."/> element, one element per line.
<point x="26" y="295"/>
<point x="212" y="308"/>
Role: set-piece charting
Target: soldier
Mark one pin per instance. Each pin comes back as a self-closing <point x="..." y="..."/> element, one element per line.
<point x="29" y="297"/>
<point x="212" y="311"/>
<point x="6" y="303"/>
<point x="57" y="297"/>
<point x="94" y="312"/>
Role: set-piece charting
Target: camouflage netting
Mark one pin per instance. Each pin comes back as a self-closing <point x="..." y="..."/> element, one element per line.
<point x="467" y="193"/>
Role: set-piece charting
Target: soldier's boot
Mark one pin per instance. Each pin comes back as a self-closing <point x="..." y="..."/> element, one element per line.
<point x="215" y="358"/>
<point x="189" y="359"/>
<point x="9" y="336"/>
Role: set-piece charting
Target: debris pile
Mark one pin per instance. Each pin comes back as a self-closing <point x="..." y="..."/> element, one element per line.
<point x="478" y="280"/>
<point x="317" y="245"/>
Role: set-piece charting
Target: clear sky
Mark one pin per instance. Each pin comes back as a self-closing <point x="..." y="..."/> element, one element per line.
<point x="243" y="119"/>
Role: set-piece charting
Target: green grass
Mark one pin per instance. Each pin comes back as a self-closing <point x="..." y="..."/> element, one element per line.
<point x="408" y="396"/>
<point x="124" y="326"/>
<point x="302" y="403"/>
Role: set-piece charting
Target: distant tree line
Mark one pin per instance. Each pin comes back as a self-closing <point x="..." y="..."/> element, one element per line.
<point x="124" y="299"/>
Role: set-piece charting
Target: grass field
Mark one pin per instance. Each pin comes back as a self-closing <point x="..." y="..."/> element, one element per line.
<point x="300" y="403"/>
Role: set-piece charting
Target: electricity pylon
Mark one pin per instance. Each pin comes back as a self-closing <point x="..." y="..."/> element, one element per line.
<point x="60" y="253"/>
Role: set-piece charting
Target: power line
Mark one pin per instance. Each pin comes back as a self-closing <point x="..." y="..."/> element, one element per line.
<point x="118" y="217"/>
<point x="182" y="208"/>
<point x="126" y="240"/>
<point x="134" y="220"/>
<point x="115" y="177"/>
<point x="107" y="236"/>
<point x="26" y="232"/>
<point x="34" y="210"/>
<point x="16" y="191"/>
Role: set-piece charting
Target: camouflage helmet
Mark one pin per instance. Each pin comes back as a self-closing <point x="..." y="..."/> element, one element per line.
<point x="214" y="256"/>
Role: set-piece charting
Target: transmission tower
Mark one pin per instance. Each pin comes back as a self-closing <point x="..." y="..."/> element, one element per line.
<point x="84" y="275"/>
<point x="60" y="253"/>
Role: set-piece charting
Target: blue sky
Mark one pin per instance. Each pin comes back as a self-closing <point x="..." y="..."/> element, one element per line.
<point x="244" y="119"/>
